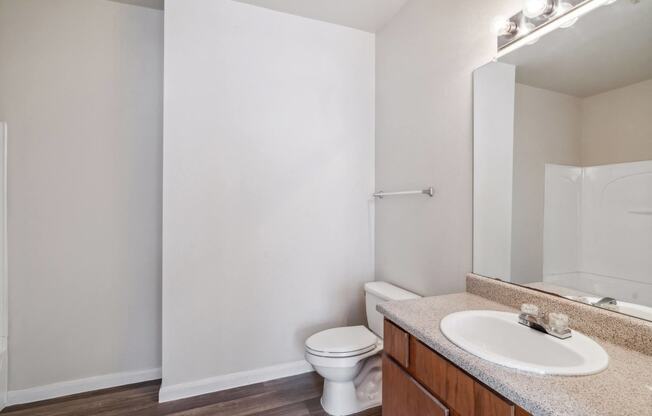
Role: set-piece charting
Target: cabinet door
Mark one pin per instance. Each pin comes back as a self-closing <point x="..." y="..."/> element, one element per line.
<point x="488" y="403"/>
<point x="428" y="368"/>
<point x="403" y="396"/>
<point x="462" y="393"/>
<point x="442" y="378"/>
<point x="396" y="343"/>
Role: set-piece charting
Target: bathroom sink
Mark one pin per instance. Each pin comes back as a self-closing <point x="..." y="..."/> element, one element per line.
<point x="499" y="338"/>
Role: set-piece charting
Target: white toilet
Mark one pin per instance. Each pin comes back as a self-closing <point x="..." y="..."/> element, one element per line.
<point x="349" y="357"/>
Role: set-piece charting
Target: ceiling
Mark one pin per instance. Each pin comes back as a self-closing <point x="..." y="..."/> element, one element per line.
<point x="152" y="4"/>
<point x="367" y="15"/>
<point x="609" y="48"/>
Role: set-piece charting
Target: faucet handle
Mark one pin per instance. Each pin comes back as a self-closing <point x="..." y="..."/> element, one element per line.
<point x="558" y="322"/>
<point x="530" y="309"/>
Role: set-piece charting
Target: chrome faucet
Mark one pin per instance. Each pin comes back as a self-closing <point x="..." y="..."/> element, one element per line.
<point x="607" y="301"/>
<point x="555" y="324"/>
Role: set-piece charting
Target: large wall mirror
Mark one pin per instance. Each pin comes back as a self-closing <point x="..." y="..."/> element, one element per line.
<point x="563" y="161"/>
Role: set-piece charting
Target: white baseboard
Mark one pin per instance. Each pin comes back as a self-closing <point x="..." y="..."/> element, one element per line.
<point x="66" y="388"/>
<point x="229" y="381"/>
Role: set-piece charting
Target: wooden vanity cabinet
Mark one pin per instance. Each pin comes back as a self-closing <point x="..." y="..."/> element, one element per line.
<point x="407" y="397"/>
<point x="396" y="343"/>
<point x="419" y="382"/>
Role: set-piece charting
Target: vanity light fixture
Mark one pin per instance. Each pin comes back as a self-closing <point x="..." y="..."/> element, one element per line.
<point x="565" y="7"/>
<point x="504" y="27"/>
<point x="533" y="9"/>
<point x="540" y="17"/>
<point x="526" y="28"/>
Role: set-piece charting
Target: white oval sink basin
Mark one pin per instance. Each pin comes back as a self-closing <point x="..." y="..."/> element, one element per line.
<point x="499" y="338"/>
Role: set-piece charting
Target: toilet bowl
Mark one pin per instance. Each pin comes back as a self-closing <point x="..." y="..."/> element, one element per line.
<point x="349" y="358"/>
<point x="339" y="356"/>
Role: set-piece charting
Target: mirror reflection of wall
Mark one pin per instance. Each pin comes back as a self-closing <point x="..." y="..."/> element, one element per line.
<point x="553" y="128"/>
<point x="581" y="173"/>
<point x="582" y="182"/>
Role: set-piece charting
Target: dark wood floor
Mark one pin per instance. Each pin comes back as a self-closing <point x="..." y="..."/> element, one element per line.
<point x="292" y="396"/>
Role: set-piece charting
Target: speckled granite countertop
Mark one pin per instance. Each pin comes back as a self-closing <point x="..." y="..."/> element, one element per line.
<point x="625" y="388"/>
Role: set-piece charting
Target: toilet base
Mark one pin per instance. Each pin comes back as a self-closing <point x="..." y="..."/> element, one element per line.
<point x="343" y="398"/>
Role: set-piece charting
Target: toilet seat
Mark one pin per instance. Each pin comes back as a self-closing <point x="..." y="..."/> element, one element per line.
<point x="342" y="342"/>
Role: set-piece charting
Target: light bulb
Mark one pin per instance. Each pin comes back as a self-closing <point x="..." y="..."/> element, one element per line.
<point x="535" y="8"/>
<point x="503" y="26"/>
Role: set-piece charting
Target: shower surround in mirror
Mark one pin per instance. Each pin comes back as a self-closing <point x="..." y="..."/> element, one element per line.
<point x="582" y="195"/>
<point x="563" y="162"/>
<point x="598" y="230"/>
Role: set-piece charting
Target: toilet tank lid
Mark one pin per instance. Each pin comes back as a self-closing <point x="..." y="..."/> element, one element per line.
<point x="388" y="291"/>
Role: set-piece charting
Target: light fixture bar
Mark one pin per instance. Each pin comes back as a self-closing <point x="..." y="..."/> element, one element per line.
<point x="562" y="12"/>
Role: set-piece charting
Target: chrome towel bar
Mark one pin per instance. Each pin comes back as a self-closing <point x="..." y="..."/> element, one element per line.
<point x="430" y="192"/>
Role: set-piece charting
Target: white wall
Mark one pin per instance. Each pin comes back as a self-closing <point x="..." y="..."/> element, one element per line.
<point x="268" y="172"/>
<point x="493" y="154"/>
<point x="4" y="309"/>
<point x="81" y="90"/>
<point x="561" y="129"/>
<point x="616" y="125"/>
<point x="425" y="58"/>
<point x="547" y="129"/>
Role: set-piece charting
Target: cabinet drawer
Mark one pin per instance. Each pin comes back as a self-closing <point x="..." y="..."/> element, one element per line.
<point x="403" y="396"/>
<point x="464" y="395"/>
<point x="396" y="343"/>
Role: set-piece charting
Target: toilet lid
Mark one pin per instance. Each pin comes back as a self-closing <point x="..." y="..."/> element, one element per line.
<point x="348" y="340"/>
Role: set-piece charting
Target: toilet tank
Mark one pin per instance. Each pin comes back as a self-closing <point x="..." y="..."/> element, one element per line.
<point x="379" y="292"/>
